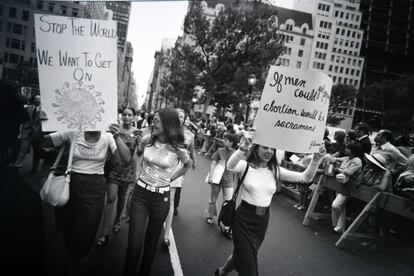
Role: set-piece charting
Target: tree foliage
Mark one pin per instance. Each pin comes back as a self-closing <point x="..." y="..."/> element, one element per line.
<point x="224" y="51"/>
<point x="343" y="96"/>
<point x="394" y="99"/>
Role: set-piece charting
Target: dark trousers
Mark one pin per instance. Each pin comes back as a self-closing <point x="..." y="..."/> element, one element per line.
<point x="177" y="197"/>
<point x="249" y="231"/>
<point x="147" y="215"/>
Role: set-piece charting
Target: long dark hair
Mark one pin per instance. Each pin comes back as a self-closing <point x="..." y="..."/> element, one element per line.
<point x="171" y="125"/>
<point x="272" y="165"/>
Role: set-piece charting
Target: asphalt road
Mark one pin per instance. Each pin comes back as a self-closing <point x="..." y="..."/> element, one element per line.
<point x="289" y="248"/>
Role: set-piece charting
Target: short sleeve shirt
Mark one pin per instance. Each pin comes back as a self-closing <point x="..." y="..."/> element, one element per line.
<point x="222" y="155"/>
<point x="160" y="162"/>
<point x="88" y="158"/>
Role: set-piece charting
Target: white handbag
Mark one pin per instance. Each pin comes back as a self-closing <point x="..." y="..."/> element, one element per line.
<point x="55" y="190"/>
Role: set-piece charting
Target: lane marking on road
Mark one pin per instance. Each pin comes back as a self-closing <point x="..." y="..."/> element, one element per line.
<point x="175" y="259"/>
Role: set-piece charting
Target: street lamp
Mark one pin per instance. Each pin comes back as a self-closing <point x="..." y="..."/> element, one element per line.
<point x="251" y="81"/>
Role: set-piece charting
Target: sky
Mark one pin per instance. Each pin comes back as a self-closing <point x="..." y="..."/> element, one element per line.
<point x="149" y="24"/>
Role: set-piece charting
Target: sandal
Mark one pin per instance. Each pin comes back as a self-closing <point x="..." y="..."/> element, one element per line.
<point x="103" y="240"/>
<point x="166" y="242"/>
<point x="117" y="227"/>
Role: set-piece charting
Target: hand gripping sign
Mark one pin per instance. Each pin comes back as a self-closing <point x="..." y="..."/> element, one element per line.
<point x="293" y="110"/>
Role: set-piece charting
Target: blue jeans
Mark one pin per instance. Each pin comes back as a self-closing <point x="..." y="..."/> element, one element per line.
<point x="143" y="237"/>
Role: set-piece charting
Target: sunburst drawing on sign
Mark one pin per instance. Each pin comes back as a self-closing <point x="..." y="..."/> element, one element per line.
<point x="78" y="105"/>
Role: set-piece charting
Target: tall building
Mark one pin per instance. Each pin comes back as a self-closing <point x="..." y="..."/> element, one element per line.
<point x="337" y="44"/>
<point x="388" y="42"/>
<point x="296" y="29"/>
<point x="155" y="100"/>
<point x="17" y="39"/>
<point x="121" y="11"/>
<point x="126" y="81"/>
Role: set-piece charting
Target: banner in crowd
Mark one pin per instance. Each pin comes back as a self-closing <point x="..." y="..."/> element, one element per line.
<point x="293" y="110"/>
<point x="77" y="62"/>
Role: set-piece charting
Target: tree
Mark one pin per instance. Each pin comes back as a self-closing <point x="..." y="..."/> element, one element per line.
<point x="177" y="85"/>
<point x="394" y="99"/>
<point x="239" y="41"/>
<point x="343" y="96"/>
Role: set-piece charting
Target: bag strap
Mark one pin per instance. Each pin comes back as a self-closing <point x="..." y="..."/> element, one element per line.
<point x="72" y="148"/>
<point x="236" y="192"/>
<point x="59" y="156"/>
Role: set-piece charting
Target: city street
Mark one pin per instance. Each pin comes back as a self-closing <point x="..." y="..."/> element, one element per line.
<point x="289" y="248"/>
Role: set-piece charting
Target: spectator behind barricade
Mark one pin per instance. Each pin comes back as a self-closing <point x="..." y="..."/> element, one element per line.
<point x="221" y="129"/>
<point x="230" y="129"/>
<point x="403" y="145"/>
<point x="404" y="186"/>
<point x="338" y="148"/>
<point x="375" y="174"/>
<point x="395" y="161"/>
<point x="362" y="132"/>
<point x="31" y="134"/>
<point x="347" y="173"/>
<point x="351" y="136"/>
<point x="327" y="141"/>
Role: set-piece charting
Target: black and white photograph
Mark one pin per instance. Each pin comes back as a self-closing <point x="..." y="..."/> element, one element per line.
<point x="207" y="137"/>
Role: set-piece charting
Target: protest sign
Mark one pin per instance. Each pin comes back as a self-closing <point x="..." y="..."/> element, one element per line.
<point x="77" y="61"/>
<point x="293" y="110"/>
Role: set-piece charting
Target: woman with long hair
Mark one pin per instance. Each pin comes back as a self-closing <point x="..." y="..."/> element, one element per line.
<point x="251" y="219"/>
<point x="175" y="187"/>
<point x="79" y="219"/>
<point x="162" y="151"/>
<point x="119" y="178"/>
<point x="226" y="180"/>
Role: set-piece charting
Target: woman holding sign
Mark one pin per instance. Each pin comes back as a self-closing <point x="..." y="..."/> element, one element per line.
<point x="262" y="180"/>
<point x="79" y="219"/>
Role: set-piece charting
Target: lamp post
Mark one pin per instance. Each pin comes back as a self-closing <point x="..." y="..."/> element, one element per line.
<point x="251" y="81"/>
<point x="194" y="100"/>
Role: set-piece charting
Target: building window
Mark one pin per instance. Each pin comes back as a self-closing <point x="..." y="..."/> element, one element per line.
<point x="39" y="4"/>
<point x="336" y="13"/>
<point x="289" y="27"/>
<point x="347" y="71"/>
<point x="359" y="63"/>
<point x="334" y="78"/>
<point x="336" y="69"/>
<point x="63" y="9"/>
<point x="330" y="68"/>
<point x="12" y="12"/>
<point x="300" y="53"/>
<point x="341" y="69"/>
<point x="304" y="30"/>
<point x="289" y="51"/>
<point x="357" y="72"/>
<point x="23" y="45"/>
<point x="75" y="12"/>
<point x="15" y="44"/>
<point x="32" y="47"/>
<point x="302" y="41"/>
<point x="13" y="58"/>
<point x="339" y="79"/>
<point x="298" y="64"/>
<point x="25" y="15"/>
<point x="51" y="6"/>
<point x="17" y="29"/>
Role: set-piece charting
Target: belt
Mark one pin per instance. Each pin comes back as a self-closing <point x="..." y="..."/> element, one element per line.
<point x="258" y="210"/>
<point x="153" y="189"/>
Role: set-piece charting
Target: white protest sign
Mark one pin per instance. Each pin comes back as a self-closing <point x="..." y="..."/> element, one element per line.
<point x="77" y="61"/>
<point x="293" y="110"/>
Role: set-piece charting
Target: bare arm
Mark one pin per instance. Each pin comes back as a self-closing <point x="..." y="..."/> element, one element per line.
<point x="191" y="152"/>
<point x="182" y="170"/>
<point x="121" y="153"/>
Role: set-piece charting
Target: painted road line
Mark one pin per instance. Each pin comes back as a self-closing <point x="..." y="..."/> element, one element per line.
<point x="175" y="259"/>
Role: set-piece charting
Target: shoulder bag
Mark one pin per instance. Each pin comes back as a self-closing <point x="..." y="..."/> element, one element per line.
<point x="228" y="207"/>
<point x="55" y="190"/>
